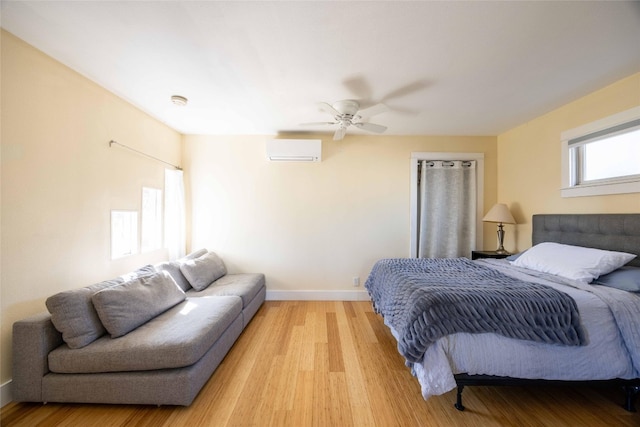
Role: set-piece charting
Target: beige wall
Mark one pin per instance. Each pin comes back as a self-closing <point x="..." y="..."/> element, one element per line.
<point x="529" y="161"/>
<point x="311" y="226"/>
<point x="60" y="180"/>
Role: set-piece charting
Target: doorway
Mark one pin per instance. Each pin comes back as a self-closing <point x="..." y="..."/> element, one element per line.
<point x="446" y="204"/>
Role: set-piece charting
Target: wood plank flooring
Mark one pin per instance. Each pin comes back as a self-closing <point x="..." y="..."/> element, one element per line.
<point x="333" y="364"/>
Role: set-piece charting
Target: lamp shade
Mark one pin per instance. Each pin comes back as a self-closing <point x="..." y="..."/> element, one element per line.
<point x="499" y="213"/>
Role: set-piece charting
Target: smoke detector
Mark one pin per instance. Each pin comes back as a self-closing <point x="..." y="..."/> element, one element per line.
<point x="178" y="100"/>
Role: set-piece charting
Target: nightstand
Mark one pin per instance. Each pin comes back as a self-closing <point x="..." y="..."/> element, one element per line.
<point x="487" y="254"/>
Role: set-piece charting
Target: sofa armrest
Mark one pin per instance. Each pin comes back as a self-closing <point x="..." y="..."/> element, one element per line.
<point x="33" y="339"/>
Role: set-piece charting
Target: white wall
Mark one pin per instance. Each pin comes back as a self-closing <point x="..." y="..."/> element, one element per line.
<point x="310" y="226"/>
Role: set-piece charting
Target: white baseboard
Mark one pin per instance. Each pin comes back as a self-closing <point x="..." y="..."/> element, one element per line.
<point x="5" y="393"/>
<point x="317" y="296"/>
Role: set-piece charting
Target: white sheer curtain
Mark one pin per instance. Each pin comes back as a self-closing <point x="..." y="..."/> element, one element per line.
<point x="174" y="214"/>
<point x="446" y="208"/>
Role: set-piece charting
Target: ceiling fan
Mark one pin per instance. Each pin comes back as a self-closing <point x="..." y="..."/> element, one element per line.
<point x="347" y="113"/>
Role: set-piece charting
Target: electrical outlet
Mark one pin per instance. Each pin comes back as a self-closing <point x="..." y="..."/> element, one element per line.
<point x="356" y="281"/>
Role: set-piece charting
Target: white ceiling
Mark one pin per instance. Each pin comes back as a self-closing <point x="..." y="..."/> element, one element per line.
<point x="443" y="67"/>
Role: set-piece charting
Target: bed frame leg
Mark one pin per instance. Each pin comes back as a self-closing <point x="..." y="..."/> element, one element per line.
<point x="631" y="397"/>
<point x="458" y="405"/>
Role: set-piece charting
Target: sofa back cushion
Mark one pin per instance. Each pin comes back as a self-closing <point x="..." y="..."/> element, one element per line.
<point x="173" y="268"/>
<point x="124" y="307"/>
<point x="73" y="314"/>
<point x="202" y="271"/>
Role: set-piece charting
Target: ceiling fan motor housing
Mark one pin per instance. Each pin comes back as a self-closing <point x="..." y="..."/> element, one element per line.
<point x="345" y="113"/>
<point x="347" y="107"/>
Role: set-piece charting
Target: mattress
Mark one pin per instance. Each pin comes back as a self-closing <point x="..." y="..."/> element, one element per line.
<point x="610" y="352"/>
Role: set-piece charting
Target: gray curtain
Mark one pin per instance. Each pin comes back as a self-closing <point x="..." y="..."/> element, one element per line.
<point x="446" y="208"/>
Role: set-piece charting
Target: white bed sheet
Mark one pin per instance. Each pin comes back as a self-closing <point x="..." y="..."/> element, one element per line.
<point x="604" y="357"/>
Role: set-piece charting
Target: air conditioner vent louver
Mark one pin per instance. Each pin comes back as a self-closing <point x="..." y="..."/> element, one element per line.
<point x="294" y="150"/>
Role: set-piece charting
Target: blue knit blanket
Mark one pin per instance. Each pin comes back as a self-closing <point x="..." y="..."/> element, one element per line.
<point x="426" y="299"/>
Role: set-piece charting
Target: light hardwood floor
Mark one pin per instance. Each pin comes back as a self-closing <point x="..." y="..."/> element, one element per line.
<point x="334" y="364"/>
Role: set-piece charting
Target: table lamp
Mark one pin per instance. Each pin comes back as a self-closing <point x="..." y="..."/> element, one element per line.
<point x="500" y="213"/>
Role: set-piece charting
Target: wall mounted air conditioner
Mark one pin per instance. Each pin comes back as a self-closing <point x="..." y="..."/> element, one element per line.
<point x="294" y="150"/>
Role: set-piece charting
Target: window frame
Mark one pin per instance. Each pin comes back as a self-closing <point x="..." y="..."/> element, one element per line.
<point x="132" y="243"/>
<point x="573" y="138"/>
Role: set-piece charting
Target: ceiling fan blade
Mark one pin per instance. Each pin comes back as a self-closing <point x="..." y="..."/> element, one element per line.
<point x="373" y="110"/>
<point x="318" y="123"/>
<point x="326" y="108"/>
<point x="407" y="90"/>
<point x="371" y="127"/>
<point x="358" y="86"/>
<point x="339" y="134"/>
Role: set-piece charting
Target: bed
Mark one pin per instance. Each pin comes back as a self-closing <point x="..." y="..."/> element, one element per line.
<point x="522" y="320"/>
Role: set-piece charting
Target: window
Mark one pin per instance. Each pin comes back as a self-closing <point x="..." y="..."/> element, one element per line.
<point x="602" y="157"/>
<point x="124" y="233"/>
<point x="151" y="219"/>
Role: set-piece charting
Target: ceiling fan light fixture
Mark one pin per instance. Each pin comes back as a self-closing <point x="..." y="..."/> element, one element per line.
<point x="178" y="100"/>
<point x="347" y="113"/>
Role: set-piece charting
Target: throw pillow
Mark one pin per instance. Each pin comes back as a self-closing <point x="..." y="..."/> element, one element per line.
<point x="124" y="307"/>
<point x="624" y="278"/>
<point x="75" y="317"/>
<point x="203" y="271"/>
<point x="173" y="268"/>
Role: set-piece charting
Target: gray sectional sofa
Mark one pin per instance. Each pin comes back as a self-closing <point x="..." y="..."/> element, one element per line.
<point x="153" y="336"/>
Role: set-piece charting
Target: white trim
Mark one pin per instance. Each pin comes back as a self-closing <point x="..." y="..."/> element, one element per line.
<point x="567" y="187"/>
<point x="602" y="124"/>
<point x="413" y="222"/>
<point x="317" y="296"/>
<point x="6" y="395"/>
<point x="601" y="189"/>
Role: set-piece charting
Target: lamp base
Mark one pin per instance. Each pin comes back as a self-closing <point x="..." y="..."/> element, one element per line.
<point x="501" y="249"/>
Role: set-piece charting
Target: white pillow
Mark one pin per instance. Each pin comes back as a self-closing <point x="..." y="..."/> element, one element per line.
<point x="572" y="262"/>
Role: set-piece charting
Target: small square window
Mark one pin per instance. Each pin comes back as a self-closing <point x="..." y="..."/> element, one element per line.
<point x="124" y="233"/>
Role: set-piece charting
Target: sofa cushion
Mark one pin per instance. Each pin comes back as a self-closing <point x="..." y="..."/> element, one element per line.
<point x="178" y="337"/>
<point x="124" y="307"/>
<point x="173" y="268"/>
<point x="243" y="285"/>
<point x="73" y="314"/>
<point x="202" y="271"/>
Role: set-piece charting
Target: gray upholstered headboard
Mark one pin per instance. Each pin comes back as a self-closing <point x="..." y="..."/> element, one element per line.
<point x="614" y="232"/>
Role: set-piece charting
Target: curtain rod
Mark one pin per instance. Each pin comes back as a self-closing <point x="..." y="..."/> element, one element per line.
<point x="144" y="154"/>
